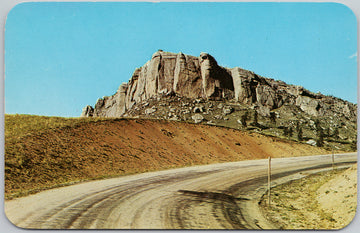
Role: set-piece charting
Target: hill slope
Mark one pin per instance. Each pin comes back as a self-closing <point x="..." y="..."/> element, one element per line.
<point x="44" y="152"/>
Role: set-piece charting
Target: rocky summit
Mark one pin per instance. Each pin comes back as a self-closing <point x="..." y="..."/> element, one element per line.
<point x="196" y="89"/>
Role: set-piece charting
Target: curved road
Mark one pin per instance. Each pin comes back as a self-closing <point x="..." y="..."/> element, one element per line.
<point x="217" y="196"/>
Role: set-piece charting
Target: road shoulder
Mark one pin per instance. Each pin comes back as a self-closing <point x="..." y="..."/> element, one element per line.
<point x="326" y="200"/>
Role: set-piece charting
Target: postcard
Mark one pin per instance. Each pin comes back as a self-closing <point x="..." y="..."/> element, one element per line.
<point x="186" y="115"/>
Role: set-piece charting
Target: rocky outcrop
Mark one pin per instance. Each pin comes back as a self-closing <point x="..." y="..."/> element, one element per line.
<point x="87" y="111"/>
<point x="185" y="76"/>
<point x="217" y="82"/>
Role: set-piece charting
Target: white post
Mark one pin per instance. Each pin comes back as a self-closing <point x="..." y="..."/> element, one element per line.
<point x="269" y="180"/>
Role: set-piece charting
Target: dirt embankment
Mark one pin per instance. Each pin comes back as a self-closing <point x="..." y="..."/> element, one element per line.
<point x="113" y="147"/>
<point x="322" y="201"/>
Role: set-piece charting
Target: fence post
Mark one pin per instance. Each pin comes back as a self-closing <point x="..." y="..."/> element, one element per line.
<point x="269" y="181"/>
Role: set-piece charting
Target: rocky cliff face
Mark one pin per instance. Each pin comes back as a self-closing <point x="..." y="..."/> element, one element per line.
<point x="201" y="77"/>
<point x="196" y="89"/>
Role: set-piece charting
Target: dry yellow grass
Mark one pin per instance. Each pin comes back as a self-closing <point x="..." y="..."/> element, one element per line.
<point x="321" y="201"/>
<point x="338" y="197"/>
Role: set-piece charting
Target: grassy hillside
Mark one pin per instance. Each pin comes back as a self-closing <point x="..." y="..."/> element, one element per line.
<point x="45" y="152"/>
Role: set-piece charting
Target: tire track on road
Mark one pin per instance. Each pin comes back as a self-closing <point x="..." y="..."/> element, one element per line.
<point x="219" y="196"/>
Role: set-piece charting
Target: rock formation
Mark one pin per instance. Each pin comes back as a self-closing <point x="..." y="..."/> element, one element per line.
<point x="193" y="89"/>
<point x="185" y="76"/>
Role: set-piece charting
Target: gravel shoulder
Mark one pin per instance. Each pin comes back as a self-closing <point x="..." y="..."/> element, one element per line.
<point x="326" y="200"/>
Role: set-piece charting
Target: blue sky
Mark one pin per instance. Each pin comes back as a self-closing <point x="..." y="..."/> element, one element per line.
<point x="60" y="57"/>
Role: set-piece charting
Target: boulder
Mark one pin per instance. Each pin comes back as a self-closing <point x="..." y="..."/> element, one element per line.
<point x="227" y="110"/>
<point x="150" y="110"/>
<point x="198" y="109"/>
<point x="311" y="142"/>
<point x="174" y="118"/>
<point x="198" y="118"/>
<point x="309" y="105"/>
<point x="263" y="111"/>
<point x="218" y="117"/>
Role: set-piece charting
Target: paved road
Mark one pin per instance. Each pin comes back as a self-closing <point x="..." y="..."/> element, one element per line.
<point x="218" y="196"/>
